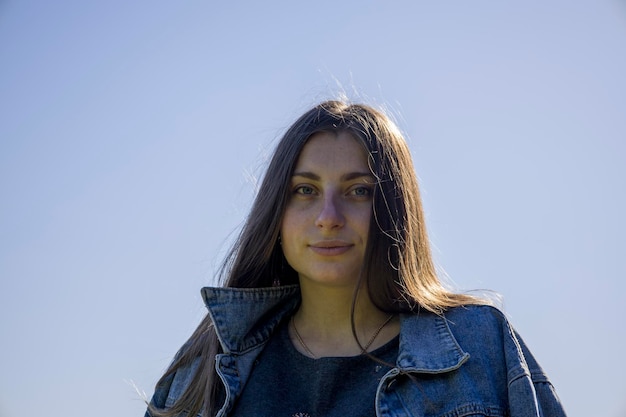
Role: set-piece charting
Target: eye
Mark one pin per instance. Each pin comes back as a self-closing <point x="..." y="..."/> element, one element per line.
<point x="304" y="190"/>
<point x="361" y="191"/>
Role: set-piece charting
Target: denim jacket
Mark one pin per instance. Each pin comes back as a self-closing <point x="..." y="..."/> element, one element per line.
<point x="466" y="362"/>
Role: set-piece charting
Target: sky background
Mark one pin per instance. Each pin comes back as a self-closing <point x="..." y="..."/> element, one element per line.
<point x="132" y="135"/>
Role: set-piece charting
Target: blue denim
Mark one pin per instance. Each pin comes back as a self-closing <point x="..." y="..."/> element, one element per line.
<point x="466" y="362"/>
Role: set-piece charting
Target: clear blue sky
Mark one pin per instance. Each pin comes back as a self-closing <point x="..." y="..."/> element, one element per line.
<point x="131" y="135"/>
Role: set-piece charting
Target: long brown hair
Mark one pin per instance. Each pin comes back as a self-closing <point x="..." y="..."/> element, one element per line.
<point x="399" y="270"/>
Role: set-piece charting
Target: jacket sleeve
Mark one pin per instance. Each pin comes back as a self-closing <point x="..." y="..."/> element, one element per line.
<point x="531" y="393"/>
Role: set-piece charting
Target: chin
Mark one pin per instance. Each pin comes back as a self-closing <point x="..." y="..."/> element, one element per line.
<point x="333" y="280"/>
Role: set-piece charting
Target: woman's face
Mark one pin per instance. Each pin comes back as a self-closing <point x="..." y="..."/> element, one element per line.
<point x="326" y="222"/>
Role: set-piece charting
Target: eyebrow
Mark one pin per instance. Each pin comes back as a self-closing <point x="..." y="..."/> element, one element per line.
<point x="345" y="177"/>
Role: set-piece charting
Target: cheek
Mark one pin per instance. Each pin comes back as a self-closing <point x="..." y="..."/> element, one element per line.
<point x="289" y="231"/>
<point x="288" y="241"/>
<point x="364" y="222"/>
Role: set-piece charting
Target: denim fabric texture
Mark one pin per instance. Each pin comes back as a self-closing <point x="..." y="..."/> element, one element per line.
<point x="466" y="362"/>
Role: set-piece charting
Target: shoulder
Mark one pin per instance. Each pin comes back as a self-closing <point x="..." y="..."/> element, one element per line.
<point x="473" y="319"/>
<point x="170" y="388"/>
<point x="478" y="331"/>
<point x="479" y="325"/>
<point x="477" y="316"/>
<point x="488" y="336"/>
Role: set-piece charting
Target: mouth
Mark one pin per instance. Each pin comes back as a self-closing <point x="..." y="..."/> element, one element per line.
<point x="330" y="247"/>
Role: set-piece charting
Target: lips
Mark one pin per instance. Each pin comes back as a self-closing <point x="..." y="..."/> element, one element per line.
<point x="330" y="247"/>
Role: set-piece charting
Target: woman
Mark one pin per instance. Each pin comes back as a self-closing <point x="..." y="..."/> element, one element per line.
<point x="331" y="304"/>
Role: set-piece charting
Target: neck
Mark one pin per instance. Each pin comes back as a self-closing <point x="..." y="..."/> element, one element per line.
<point x="324" y="321"/>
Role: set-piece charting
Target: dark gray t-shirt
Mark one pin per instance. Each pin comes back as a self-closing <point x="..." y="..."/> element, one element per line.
<point x="285" y="383"/>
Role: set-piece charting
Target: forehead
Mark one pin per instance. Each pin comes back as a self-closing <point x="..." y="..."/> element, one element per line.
<point x="333" y="151"/>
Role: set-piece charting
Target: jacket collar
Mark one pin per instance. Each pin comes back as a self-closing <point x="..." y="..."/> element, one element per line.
<point x="245" y="318"/>
<point x="427" y="344"/>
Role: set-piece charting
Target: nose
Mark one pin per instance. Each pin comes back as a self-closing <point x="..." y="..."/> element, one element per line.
<point x="330" y="215"/>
